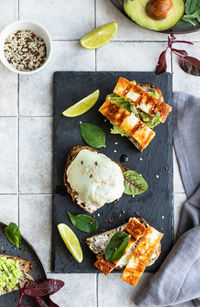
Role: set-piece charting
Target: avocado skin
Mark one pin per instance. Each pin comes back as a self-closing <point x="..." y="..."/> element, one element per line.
<point x="136" y="11"/>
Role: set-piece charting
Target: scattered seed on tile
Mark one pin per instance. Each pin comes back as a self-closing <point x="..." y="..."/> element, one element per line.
<point x="133" y="195"/>
<point x="116" y="143"/>
<point x="163" y="217"/>
<point x="115" y="150"/>
<point x="123" y="212"/>
<point x="166" y="167"/>
<point x="157" y="176"/>
<point x="98" y="214"/>
<point x="140" y="159"/>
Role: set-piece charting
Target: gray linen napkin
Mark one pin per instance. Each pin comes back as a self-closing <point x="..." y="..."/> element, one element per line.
<point x="177" y="282"/>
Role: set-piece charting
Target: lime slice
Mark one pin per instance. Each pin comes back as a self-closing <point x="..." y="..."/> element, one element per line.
<point x="100" y="36"/>
<point x="82" y="106"/>
<point x="71" y="241"/>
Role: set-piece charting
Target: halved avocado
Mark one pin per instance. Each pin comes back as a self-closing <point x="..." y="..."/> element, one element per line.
<point x="137" y="11"/>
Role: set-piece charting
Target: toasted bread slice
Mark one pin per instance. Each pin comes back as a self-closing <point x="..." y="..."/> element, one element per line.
<point x="71" y="156"/>
<point x="98" y="243"/>
<point x="142" y="99"/>
<point x="25" y="266"/>
<point x="140" y="134"/>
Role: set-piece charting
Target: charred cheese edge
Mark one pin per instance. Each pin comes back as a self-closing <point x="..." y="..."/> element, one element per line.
<point x="141" y="256"/>
<point x="136" y="230"/>
<point x="141" y="99"/>
<point x="127" y="121"/>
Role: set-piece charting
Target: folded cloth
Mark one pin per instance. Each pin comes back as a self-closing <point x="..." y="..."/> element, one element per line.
<point x="177" y="282"/>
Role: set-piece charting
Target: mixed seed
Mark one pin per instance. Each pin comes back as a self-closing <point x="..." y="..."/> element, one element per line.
<point x="25" y="50"/>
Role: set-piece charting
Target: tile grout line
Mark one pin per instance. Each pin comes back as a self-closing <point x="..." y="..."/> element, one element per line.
<point x="120" y="40"/>
<point x="18" y="195"/>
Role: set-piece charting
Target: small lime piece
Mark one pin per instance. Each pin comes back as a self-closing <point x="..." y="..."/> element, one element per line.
<point x="71" y="241"/>
<point x="82" y="106"/>
<point x="100" y="36"/>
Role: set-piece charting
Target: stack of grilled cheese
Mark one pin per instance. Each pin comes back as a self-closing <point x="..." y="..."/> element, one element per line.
<point x="143" y="103"/>
<point x="143" y="250"/>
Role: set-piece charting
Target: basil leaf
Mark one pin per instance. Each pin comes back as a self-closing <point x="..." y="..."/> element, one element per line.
<point x="13" y="234"/>
<point x="93" y="135"/>
<point x="134" y="183"/>
<point x="116" y="246"/>
<point x="83" y="222"/>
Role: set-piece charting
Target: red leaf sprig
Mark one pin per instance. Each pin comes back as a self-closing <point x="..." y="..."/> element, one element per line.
<point x="40" y="292"/>
<point x="187" y="63"/>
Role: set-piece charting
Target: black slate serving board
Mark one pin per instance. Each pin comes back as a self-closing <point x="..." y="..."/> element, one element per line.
<point x="27" y="252"/>
<point x="155" y="205"/>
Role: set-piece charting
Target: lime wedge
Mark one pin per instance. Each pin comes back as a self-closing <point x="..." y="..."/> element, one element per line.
<point x="82" y="106"/>
<point x="100" y="36"/>
<point x="71" y="241"/>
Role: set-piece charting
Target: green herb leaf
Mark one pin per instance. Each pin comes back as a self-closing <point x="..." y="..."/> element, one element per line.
<point x="134" y="183"/>
<point x="150" y="121"/>
<point x="13" y="234"/>
<point x="93" y="135"/>
<point x="83" y="222"/>
<point x="117" y="245"/>
<point x="191" y="6"/>
<point x="155" y="94"/>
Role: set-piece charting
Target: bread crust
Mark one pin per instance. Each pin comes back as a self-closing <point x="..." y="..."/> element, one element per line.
<point x="71" y="156"/>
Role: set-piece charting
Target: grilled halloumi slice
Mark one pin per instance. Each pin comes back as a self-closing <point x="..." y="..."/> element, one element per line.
<point x="136" y="230"/>
<point x="141" y="256"/>
<point x="137" y="130"/>
<point x="142" y="99"/>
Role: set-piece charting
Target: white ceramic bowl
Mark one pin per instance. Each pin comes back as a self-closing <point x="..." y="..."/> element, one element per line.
<point x="25" y="25"/>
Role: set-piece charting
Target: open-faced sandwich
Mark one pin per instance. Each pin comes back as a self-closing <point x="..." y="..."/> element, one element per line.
<point x="13" y="273"/>
<point x="92" y="179"/>
<point x="134" y="109"/>
<point x="143" y="248"/>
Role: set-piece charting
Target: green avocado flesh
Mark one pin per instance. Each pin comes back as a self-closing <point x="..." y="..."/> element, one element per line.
<point x="9" y="273"/>
<point x="136" y="10"/>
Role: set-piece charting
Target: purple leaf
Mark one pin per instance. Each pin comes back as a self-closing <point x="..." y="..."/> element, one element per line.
<point x="45" y="302"/>
<point x="40" y="291"/>
<point x="46" y="287"/>
<point x="179" y="51"/>
<point x="162" y="64"/>
<point x="190" y="65"/>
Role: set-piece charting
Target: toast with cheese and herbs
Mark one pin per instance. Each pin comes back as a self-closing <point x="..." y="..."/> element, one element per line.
<point x="92" y="179"/>
<point x="13" y="273"/>
<point x="140" y="232"/>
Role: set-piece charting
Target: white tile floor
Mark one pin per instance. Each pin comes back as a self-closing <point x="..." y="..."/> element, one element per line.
<point x="26" y="125"/>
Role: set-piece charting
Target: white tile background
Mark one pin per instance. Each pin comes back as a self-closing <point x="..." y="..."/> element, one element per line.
<point x="26" y="126"/>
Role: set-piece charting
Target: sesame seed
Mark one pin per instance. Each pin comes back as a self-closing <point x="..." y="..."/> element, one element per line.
<point x="140" y="159"/>
<point x="157" y="176"/>
<point x="133" y="195"/>
<point x="163" y="217"/>
<point x="105" y="120"/>
<point x="80" y="122"/>
<point x="98" y="214"/>
<point x="25" y="50"/>
<point x="116" y="143"/>
<point x="115" y="150"/>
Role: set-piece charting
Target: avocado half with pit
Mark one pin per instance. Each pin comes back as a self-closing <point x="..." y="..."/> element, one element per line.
<point x="157" y="15"/>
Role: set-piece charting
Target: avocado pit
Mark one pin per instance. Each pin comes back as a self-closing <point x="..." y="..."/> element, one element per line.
<point x="159" y="9"/>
